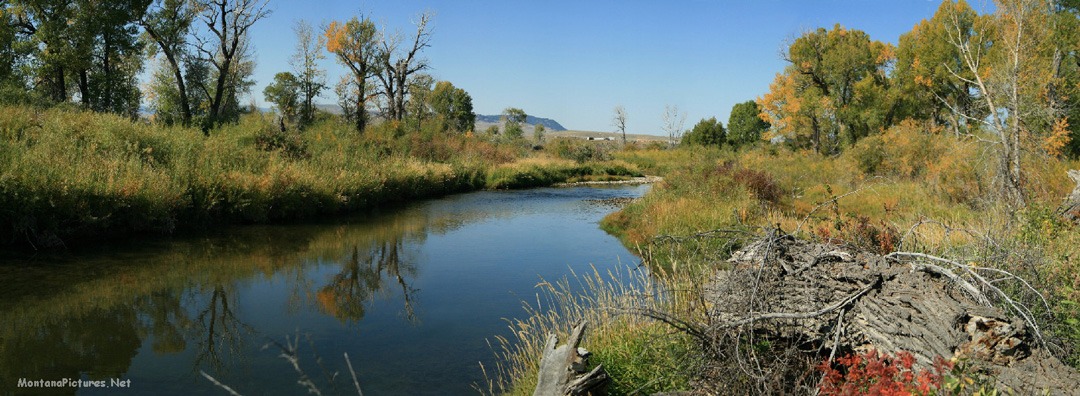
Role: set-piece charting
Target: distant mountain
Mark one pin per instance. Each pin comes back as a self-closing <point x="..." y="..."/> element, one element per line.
<point x="548" y="123"/>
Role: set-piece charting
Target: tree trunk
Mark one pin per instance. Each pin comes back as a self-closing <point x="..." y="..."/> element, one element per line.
<point x="84" y="88"/>
<point x="563" y="369"/>
<point x="1071" y="208"/>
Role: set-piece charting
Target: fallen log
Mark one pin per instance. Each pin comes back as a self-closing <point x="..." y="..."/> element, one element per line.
<point x="563" y="369"/>
<point x="841" y="300"/>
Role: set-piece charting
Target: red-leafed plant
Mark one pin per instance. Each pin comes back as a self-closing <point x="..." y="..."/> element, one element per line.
<point x="875" y="373"/>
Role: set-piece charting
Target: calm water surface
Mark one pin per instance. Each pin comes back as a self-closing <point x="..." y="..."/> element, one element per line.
<point x="412" y="296"/>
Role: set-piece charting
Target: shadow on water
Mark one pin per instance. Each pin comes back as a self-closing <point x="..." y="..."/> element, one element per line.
<point x="159" y="311"/>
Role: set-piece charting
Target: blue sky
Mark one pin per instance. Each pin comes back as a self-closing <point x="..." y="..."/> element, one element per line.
<point x="574" y="61"/>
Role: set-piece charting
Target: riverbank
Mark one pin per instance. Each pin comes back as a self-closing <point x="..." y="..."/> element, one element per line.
<point x="925" y="194"/>
<point x="69" y="176"/>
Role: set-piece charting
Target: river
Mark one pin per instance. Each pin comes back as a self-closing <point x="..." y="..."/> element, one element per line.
<point x="413" y="296"/>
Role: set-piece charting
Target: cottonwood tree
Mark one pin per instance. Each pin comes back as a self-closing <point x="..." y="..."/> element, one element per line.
<point x="168" y="23"/>
<point x="222" y="44"/>
<point x="80" y="47"/>
<point x="1012" y="77"/>
<point x="399" y="60"/>
<point x="355" y="45"/>
<point x="744" y="124"/>
<point x="305" y="63"/>
<point x="673" y="123"/>
<point x="923" y="78"/>
<point x="513" y="118"/>
<point x="419" y="104"/>
<point x="538" y="133"/>
<point x="707" y="132"/>
<point x="286" y="94"/>
<point x="453" y="106"/>
<point x="619" y="122"/>
<point x="834" y="91"/>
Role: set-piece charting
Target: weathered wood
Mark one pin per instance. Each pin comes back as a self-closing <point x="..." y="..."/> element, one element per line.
<point x="562" y="368"/>
<point x="1071" y="208"/>
<point x="846" y="300"/>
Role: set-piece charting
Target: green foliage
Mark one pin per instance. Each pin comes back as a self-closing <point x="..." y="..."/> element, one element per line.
<point x="582" y="150"/>
<point x="834" y="91"/>
<point x="285" y="93"/>
<point x="744" y="125"/>
<point x="925" y="86"/>
<point x="513" y="118"/>
<point x="538" y="133"/>
<point x="453" y="106"/>
<point x="707" y="132"/>
<point x="310" y="79"/>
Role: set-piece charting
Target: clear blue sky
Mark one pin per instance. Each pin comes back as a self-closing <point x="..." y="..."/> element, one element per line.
<point x="575" y="60"/>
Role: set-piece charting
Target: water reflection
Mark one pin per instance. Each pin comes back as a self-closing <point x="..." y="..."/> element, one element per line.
<point x="88" y="318"/>
<point x="162" y="310"/>
<point x="362" y="275"/>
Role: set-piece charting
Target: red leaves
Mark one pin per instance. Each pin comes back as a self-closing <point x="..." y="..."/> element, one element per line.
<point x="880" y="374"/>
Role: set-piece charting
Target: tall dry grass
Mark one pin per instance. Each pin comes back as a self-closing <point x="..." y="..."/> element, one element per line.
<point x="642" y="356"/>
<point x="69" y="175"/>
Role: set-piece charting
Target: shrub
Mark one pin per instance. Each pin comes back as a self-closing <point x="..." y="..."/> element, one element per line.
<point x="874" y="373"/>
<point x="582" y="150"/>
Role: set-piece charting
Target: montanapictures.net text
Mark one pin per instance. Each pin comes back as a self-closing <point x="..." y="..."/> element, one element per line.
<point x="74" y="383"/>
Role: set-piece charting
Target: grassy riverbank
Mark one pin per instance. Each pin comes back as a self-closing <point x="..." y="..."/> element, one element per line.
<point x="920" y="192"/>
<point x="70" y="176"/>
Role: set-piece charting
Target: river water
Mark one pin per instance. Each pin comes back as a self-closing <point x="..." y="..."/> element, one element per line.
<point x="412" y="296"/>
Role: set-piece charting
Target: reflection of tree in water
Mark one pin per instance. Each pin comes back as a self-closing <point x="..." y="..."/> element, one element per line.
<point x="220" y="333"/>
<point x="362" y="276"/>
<point x="99" y="344"/>
<point x="164" y="318"/>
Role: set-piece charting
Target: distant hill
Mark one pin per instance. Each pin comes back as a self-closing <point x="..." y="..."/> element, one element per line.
<point x="548" y="123"/>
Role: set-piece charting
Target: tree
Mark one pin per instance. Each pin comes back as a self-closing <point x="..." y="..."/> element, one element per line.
<point x="834" y="90"/>
<point x="108" y="32"/>
<point x="538" y="133"/>
<point x="745" y="125"/>
<point x="168" y="23"/>
<point x="453" y="107"/>
<point x="305" y="63"/>
<point x="1012" y="77"/>
<point x="224" y="43"/>
<point x="513" y="118"/>
<point x="673" y="123"/>
<point x="286" y="93"/>
<point x="926" y="89"/>
<point x="619" y="122"/>
<point x="399" y="63"/>
<point x="355" y="45"/>
<point x="44" y="24"/>
<point x="87" y="45"/>
<point x="420" y="108"/>
<point x="707" y="132"/>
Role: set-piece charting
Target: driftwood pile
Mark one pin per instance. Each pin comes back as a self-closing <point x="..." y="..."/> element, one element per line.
<point x="841" y="300"/>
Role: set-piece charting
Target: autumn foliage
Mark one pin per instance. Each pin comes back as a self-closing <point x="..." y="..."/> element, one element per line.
<point x="876" y="373"/>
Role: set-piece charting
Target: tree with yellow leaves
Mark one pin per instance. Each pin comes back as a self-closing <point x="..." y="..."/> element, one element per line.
<point x="833" y="91"/>
<point x="355" y="45"/>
